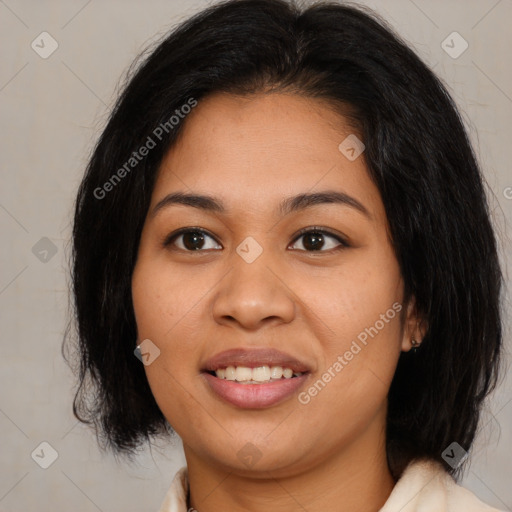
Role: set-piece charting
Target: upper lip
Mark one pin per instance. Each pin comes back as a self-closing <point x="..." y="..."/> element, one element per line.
<point x="253" y="358"/>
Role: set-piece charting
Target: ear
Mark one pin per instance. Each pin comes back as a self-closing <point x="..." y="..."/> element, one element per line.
<point x="414" y="327"/>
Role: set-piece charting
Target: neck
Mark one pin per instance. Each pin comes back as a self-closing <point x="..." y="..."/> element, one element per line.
<point x="353" y="478"/>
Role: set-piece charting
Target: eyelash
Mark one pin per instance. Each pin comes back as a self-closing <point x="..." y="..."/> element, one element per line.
<point x="314" y="229"/>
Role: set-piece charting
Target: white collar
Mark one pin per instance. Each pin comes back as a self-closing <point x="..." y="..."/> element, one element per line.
<point x="423" y="487"/>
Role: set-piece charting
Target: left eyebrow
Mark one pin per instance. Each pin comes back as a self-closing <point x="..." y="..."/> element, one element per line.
<point x="287" y="206"/>
<point x="303" y="201"/>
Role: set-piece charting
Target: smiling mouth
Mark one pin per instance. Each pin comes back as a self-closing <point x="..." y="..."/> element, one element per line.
<point x="254" y="388"/>
<point x="257" y="375"/>
<point x="254" y="378"/>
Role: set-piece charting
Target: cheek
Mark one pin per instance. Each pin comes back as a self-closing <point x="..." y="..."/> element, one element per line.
<point x="360" y="311"/>
<point x="160" y="300"/>
<point x="351" y="387"/>
<point x="344" y="302"/>
<point x="167" y="304"/>
<point x="158" y="305"/>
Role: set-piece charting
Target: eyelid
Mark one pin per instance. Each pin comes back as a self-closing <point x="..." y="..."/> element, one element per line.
<point x="169" y="238"/>
<point x="324" y="231"/>
<point x="310" y="229"/>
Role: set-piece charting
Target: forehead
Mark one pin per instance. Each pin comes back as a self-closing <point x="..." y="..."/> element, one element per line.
<point x="252" y="151"/>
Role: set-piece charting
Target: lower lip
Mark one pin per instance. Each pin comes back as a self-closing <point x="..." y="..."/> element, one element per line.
<point x="254" y="396"/>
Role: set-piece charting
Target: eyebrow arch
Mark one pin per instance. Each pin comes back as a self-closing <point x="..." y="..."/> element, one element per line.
<point x="287" y="206"/>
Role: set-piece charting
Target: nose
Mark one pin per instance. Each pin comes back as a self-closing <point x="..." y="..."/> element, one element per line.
<point x="254" y="294"/>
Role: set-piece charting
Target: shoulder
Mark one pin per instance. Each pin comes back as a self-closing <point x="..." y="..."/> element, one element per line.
<point x="427" y="487"/>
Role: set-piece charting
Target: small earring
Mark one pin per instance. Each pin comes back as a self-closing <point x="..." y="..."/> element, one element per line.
<point x="415" y="345"/>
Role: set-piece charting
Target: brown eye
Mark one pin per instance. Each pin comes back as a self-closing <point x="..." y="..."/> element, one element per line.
<point x="189" y="240"/>
<point x="315" y="240"/>
<point x="197" y="240"/>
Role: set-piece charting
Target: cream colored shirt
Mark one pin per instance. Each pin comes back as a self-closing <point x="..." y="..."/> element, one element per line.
<point x="423" y="487"/>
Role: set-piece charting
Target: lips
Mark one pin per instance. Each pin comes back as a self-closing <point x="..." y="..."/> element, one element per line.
<point x="253" y="358"/>
<point x="254" y="395"/>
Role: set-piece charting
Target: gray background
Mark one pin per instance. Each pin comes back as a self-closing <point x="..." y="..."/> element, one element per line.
<point x="52" y="111"/>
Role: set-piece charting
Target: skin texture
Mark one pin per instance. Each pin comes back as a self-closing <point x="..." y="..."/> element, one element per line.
<point x="251" y="153"/>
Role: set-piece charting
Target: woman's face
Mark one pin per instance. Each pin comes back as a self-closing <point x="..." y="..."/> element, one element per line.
<point x="243" y="277"/>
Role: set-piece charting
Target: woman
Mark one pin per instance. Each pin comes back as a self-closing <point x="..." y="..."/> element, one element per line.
<point x="285" y="222"/>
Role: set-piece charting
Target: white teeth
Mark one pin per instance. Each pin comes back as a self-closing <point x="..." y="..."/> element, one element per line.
<point x="247" y="375"/>
<point x="261" y="374"/>
<point x="230" y="373"/>
<point x="287" y="373"/>
<point x="276" y="372"/>
<point x="243" y="373"/>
